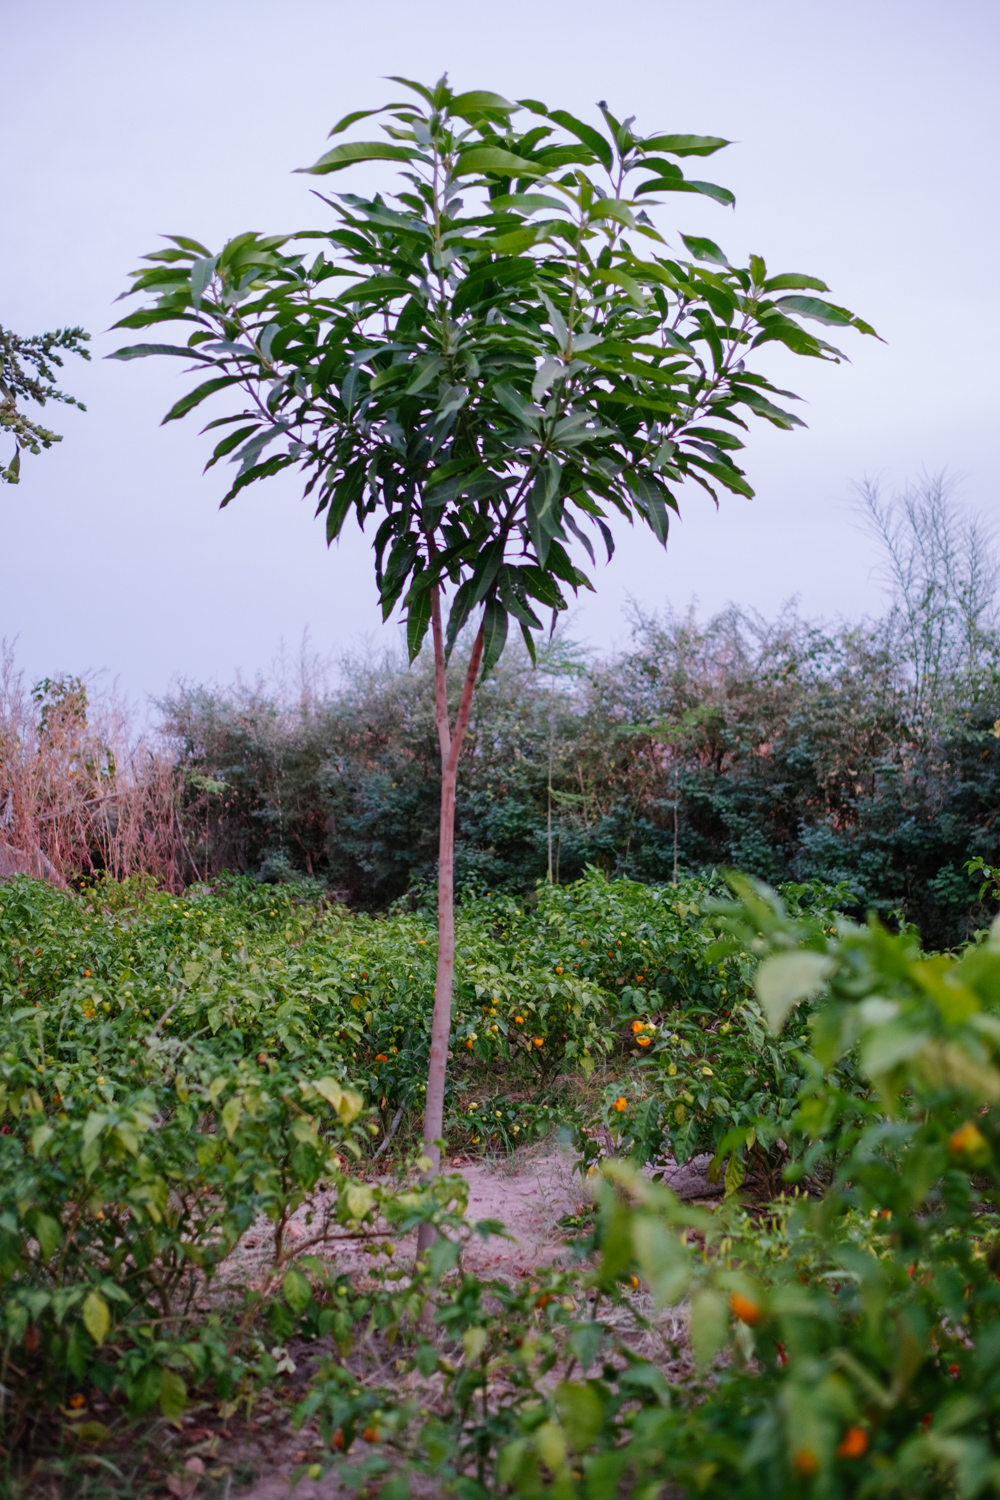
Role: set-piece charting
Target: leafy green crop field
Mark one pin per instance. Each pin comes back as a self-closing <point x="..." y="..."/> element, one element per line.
<point x="176" y="1073"/>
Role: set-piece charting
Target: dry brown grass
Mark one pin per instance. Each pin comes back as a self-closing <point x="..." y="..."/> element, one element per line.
<point x="82" y="791"/>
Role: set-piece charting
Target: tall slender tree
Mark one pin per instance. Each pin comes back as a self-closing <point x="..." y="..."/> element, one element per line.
<point x="486" y="364"/>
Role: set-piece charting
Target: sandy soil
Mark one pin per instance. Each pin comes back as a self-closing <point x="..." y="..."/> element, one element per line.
<point x="528" y="1192"/>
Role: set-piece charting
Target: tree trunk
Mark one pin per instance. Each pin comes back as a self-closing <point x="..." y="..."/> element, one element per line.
<point x="451" y="748"/>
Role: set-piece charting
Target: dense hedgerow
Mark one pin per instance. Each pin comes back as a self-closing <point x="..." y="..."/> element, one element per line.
<point x="785" y="749"/>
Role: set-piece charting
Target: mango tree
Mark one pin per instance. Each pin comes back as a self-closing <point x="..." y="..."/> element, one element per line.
<point x="487" y="364"/>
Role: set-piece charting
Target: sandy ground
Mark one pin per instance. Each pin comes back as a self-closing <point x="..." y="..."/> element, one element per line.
<point x="529" y="1193"/>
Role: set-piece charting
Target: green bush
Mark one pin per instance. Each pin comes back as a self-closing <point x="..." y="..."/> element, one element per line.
<point x="173" y="1071"/>
<point x="170" y="1071"/>
<point x="846" y="1340"/>
<point x="789" y="750"/>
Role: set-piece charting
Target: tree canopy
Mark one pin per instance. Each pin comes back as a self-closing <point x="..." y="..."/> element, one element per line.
<point x="494" y="360"/>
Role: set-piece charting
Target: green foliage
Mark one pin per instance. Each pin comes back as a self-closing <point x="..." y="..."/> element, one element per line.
<point x="796" y="762"/>
<point x="494" y="359"/>
<point x="845" y="1340"/>
<point x="175" y="1071"/>
<point x="19" y="357"/>
<point x="170" y="1072"/>
<point x="706" y="1074"/>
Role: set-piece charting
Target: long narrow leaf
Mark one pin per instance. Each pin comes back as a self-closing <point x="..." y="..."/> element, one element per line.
<point x="200" y="393"/>
<point x="494" y="636"/>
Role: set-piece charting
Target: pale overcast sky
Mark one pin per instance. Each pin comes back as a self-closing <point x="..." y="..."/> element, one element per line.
<point x="866" y="153"/>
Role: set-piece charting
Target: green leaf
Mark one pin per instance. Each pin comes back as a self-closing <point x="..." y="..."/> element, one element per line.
<point x="90" y="1433"/>
<point x="735" y="1174"/>
<point x="764" y="408"/>
<point x="812" y="307"/>
<point x="513" y="596"/>
<point x="298" y="1292"/>
<point x="550" y="1443"/>
<point x="703" y="249"/>
<point x="424" y="371"/>
<point x="726" y="474"/>
<point x="359" y="1199"/>
<point x="487" y="568"/>
<point x="201" y="274"/>
<point x="664" y="183"/>
<point x="96" y="1317"/>
<point x="13" y="472"/>
<point x="493" y="159"/>
<point x="712" y="190"/>
<point x="548" y="372"/>
<point x="776" y="326"/>
<point x="442" y="1257"/>
<point x="494" y="636"/>
<point x="479" y="101"/>
<point x="377" y="289"/>
<point x="359" y="114"/>
<point x="685" y="145"/>
<point x="350" y="1106"/>
<point x="344" y="495"/>
<point x="459" y="613"/>
<point x="229" y="443"/>
<point x="418" y="88"/>
<point x="418" y="618"/>
<point x="143" y="351"/>
<point x="543" y="587"/>
<point x="791" y="281"/>
<point x="585" y="133"/>
<point x="784" y="979"/>
<point x="197" y="396"/>
<point x="231" y="1115"/>
<point x="173" y="1396"/>
<point x="259" y="471"/>
<point x="355" y="151"/>
<point x="146" y="315"/>
<point x="613" y="208"/>
<point x="48" y="1233"/>
<point x="654" y="499"/>
<point x="396" y="1487"/>
<point x="625" y="281"/>
<point x="709" y="1326"/>
<point x="185" y="243"/>
<point x="543" y="509"/>
<point x="581" y="1413"/>
<point x="664" y="1262"/>
<point x="473" y="1344"/>
<point x="330" y="1090"/>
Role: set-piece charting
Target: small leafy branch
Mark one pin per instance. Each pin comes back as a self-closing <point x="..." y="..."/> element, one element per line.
<point x="19" y="357"/>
